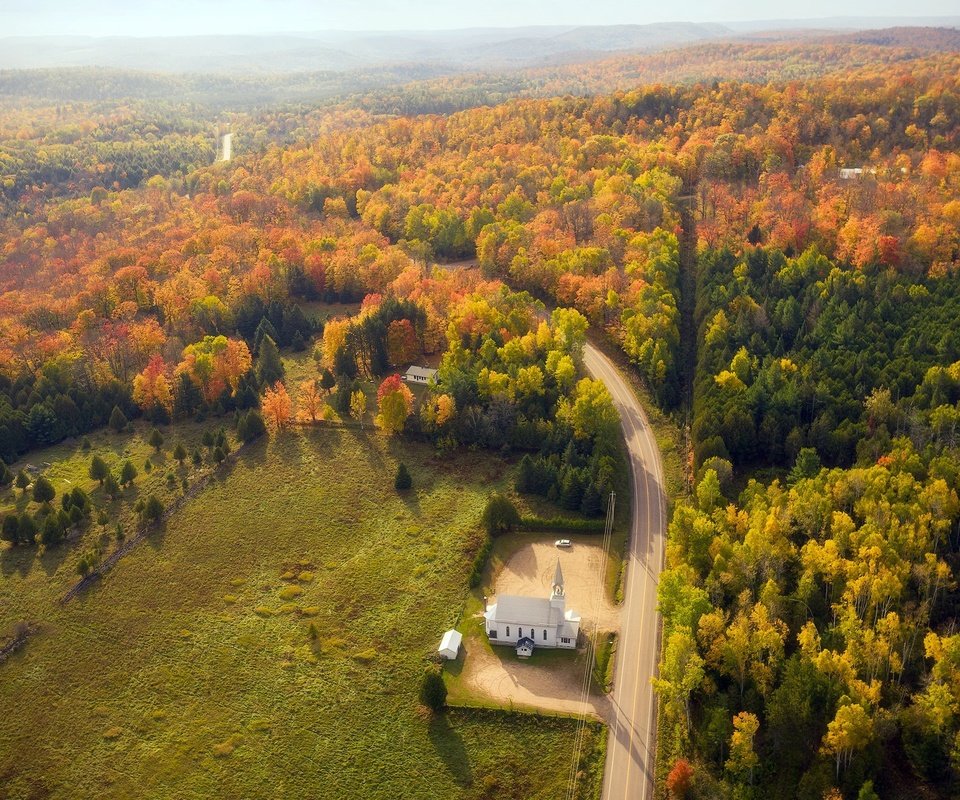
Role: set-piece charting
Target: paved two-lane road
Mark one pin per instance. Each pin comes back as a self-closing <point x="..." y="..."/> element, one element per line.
<point x="631" y="749"/>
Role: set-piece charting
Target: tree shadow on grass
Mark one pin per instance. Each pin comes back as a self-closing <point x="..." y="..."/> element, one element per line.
<point x="449" y="746"/>
<point x="18" y="559"/>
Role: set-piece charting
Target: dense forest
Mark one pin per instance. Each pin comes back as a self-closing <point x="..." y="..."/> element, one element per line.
<point x="775" y="247"/>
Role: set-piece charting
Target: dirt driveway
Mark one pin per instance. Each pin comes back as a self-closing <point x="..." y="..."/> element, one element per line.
<point x="551" y="680"/>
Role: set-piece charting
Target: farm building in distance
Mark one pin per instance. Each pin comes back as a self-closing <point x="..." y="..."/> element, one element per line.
<point x="419" y="374"/>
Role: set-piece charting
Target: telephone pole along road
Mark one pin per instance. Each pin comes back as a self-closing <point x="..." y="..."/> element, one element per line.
<point x="631" y="747"/>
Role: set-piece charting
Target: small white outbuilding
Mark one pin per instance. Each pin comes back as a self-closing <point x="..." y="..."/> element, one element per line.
<point x="450" y="644"/>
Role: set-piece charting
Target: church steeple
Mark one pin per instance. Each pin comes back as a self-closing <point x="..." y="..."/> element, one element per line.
<point x="557" y="582"/>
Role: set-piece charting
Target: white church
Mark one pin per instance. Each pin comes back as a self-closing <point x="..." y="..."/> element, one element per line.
<point x="529" y="622"/>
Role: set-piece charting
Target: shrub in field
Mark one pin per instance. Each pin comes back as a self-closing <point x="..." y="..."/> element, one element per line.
<point x="433" y="691"/>
<point x="402" y="481"/>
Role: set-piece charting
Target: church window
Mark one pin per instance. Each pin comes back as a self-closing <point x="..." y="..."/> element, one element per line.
<point x="544" y="634"/>
<point x="508" y="631"/>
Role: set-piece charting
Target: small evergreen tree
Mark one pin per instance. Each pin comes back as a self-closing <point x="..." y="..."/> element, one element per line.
<point x="118" y="420"/>
<point x="127" y="472"/>
<point x="197" y="457"/>
<point x="433" y="691"/>
<point x="51" y="532"/>
<point x="218" y="455"/>
<point x="207" y="439"/>
<point x="10" y="527"/>
<point x="147" y="466"/>
<point x="98" y="469"/>
<point x="23" y="481"/>
<point x="43" y="491"/>
<point x="269" y="365"/>
<point x="592" y="503"/>
<point x="6" y="475"/>
<point x="297" y="344"/>
<point x="155" y="440"/>
<point x="26" y="528"/>
<point x="524" y="482"/>
<point x="152" y="508"/>
<point x="180" y="453"/>
<point x="111" y="486"/>
<point x="251" y="426"/>
<point x="402" y="481"/>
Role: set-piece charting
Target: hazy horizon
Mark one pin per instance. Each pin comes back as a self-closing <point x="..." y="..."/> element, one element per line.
<point x="152" y="18"/>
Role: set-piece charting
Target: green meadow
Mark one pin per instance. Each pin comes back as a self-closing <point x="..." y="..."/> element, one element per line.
<point x="269" y="640"/>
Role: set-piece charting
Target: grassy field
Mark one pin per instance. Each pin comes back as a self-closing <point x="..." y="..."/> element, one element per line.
<point x="268" y="642"/>
<point x="30" y="578"/>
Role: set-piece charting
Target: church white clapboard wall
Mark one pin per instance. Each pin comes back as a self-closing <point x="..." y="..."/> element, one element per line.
<point x="544" y="620"/>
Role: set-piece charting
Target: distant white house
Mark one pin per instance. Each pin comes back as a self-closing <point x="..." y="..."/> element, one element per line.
<point x="419" y="374"/>
<point x="528" y="622"/>
<point x="450" y="644"/>
<point x="848" y="173"/>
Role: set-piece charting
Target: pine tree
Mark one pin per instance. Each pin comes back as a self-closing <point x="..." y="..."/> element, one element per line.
<point x="127" y="472"/>
<point x="111" y="486"/>
<point x="251" y="426"/>
<point x="524" y="480"/>
<point x="269" y="365"/>
<point x="26" y="529"/>
<point x="23" y="481"/>
<point x="402" y="481"/>
<point x="98" y="469"/>
<point x="118" y="420"/>
<point x="43" y="491"/>
<point x="180" y="453"/>
<point x="155" y="440"/>
<point x="10" y="527"/>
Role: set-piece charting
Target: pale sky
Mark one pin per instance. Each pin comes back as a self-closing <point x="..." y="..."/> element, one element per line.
<point x="187" y="17"/>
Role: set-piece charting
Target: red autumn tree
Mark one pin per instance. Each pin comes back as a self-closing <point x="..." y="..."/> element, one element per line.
<point x="395" y="401"/>
<point x="678" y="781"/>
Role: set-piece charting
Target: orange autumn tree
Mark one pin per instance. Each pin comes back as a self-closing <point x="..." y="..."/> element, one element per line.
<point x="216" y="364"/>
<point x="395" y="401"/>
<point x="402" y="344"/>
<point x="151" y="388"/>
<point x="277" y="407"/>
<point x="311" y="400"/>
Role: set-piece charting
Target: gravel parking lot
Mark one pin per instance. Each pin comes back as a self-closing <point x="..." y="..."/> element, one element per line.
<point x="550" y="680"/>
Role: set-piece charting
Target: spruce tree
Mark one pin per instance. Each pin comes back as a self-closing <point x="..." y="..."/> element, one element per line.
<point x="43" y="491"/>
<point x="98" y="469"/>
<point x="155" y="439"/>
<point x="402" y="481"/>
<point x="180" y="453"/>
<point x="269" y="365"/>
<point x="127" y="472"/>
<point x="118" y="420"/>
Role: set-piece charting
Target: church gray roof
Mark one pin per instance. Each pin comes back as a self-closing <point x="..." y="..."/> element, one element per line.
<point x="511" y="608"/>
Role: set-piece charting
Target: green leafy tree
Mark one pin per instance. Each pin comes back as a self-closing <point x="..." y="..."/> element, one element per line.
<point x="743" y="758"/>
<point x="433" y="691"/>
<point x="98" y="469"/>
<point x="500" y="515"/>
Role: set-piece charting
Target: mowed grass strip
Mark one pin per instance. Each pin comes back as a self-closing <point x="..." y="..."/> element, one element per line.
<point x="196" y="669"/>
